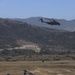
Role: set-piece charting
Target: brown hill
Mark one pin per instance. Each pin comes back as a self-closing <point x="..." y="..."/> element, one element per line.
<point x="12" y="31"/>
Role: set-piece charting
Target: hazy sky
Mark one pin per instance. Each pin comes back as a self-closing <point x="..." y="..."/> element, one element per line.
<point x="62" y="9"/>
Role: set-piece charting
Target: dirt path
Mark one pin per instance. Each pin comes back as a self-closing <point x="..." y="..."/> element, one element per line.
<point x="37" y="68"/>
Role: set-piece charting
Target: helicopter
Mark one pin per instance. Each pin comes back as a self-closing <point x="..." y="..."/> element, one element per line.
<point x="51" y="22"/>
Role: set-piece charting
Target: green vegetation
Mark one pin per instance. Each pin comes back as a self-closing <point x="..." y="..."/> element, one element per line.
<point x="30" y="55"/>
<point x="17" y="52"/>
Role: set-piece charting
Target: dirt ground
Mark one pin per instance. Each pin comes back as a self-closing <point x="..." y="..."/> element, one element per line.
<point x="38" y="68"/>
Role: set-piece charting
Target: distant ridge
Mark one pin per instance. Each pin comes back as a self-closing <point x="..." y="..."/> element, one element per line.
<point x="68" y="25"/>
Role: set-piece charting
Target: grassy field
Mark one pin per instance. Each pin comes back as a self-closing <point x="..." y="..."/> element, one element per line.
<point x="66" y="67"/>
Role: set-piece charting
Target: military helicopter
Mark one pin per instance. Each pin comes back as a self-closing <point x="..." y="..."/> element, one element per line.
<point x="50" y="22"/>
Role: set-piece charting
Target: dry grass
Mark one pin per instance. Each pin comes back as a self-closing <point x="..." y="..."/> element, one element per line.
<point x="38" y="67"/>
